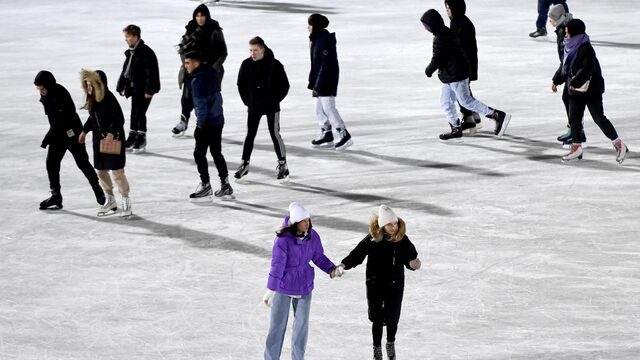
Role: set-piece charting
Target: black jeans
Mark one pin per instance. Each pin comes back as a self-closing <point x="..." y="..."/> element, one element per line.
<point x="55" y="154"/>
<point x="577" y="104"/>
<point x="139" y="106"/>
<point x="253" y="122"/>
<point x="209" y="139"/>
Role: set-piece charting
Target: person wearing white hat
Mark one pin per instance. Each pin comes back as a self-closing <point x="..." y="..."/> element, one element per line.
<point x="389" y="251"/>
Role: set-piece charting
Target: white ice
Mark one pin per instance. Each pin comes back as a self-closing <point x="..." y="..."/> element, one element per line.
<point x="523" y="257"/>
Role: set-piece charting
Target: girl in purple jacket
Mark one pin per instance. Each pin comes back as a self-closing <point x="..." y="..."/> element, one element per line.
<point x="291" y="281"/>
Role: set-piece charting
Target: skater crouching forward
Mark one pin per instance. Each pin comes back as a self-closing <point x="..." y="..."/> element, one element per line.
<point x="389" y="251"/>
<point x="453" y="70"/>
<point x="291" y="281"/>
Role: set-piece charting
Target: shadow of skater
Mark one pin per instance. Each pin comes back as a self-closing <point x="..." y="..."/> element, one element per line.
<point x="285" y="7"/>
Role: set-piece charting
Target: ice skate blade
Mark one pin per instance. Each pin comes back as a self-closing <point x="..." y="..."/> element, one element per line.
<point x="566" y="161"/>
<point x="201" y="200"/>
<point x="178" y="135"/>
<point x="568" y="146"/>
<point x="106" y="213"/>
<point x="242" y="180"/>
<point x="227" y="197"/>
<point x="52" y="207"/>
<point x="505" y="123"/>
<point x="284" y="181"/>
<point x="126" y="214"/>
<point x="345" y="145"/>
<point x="139" y="151"/>
<point x="470" y="132"/>
<point x="455" y="141"/>
<point x="327" y="145"/>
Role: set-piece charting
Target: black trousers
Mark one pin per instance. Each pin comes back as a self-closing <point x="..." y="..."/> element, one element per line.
<point x="253" y="122"/>
<point x="577" y="105"/>
<point x="55" y="154"/>
<point x="139" y="106"/>
<point x="384" y="306"/>
<point x="209" y="139"/>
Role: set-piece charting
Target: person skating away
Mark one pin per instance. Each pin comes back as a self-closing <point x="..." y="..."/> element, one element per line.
<point x="389" y="252"/>
<point x="204" y="35"/>
<point x="323" y="81"/>
<point x="106" y="121"/>
<point x="291" y="280"/>
<point x="64" y="129"/>
<point x="453" y="70"/>
<point x="462" y="26"/>
<point x="581" y="72"/>
<point x="262" y="84"/>
<point x="139" y="80"/>
<point x="541" y="21"/>
<point x="207" y="102"/>
<point x="559" y="18"/>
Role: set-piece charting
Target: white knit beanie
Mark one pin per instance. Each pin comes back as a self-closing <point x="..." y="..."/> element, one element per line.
<point x="556" y="12"/>
<point x="297" y="213"/>
<point x="386" y="216"/>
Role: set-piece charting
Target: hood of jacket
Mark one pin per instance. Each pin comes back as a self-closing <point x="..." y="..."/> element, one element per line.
<point x="210" y="23"/>
<point x="377" y="233"/>
<point x="94" y="84"/>
<point x="433" y="20"/>
<point x="458" y="8"/>
<point x="46" y="79"/>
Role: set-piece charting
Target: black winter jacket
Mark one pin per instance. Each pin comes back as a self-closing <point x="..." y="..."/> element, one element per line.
<point x="462" y="26"/>
<point x="145" y="76"/>
<point x="448" y="56"/>
<point x="325" y="71"/>
<point x="207" y="39"/>
<point x="64" y="122"/>
<point x="262" y="84"/>
<point x="586" y="67"/>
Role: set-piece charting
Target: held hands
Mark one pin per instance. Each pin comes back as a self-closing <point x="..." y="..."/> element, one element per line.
<point x="82" y="137"/>
<point x="109" y="138"/>
<point x="267" y="299"/>
<point x="554" y="88"/>
<point x="148" y="96"/>
<point x="415" y="264"/>
<point x="337" y="271"/>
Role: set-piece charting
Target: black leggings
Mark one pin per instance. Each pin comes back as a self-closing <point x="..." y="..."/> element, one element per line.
<point x="376" y="332"/>
<point x="54" y="158"/>
<point x="577" y="104"/>
<point x="253" y="122"/>
<point x="209" y="138"/>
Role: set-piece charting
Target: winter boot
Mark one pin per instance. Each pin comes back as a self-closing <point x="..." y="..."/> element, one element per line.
<point x="282" y="171"/>
<point x="391" y="350"/>
<point x="225" y="192"/>
<point x="377" y="352"/>
<point x="109" y="207"/>
<point x="325" y="138"/>
<point x="141" y="143"/>
<point x="131" y="140"/>
<point x="538" y="33"/>
<point x="54" y="202"/>
<point x="126" y="207"/>
<point x="345" y="140"/>
<point x="575" y="153"/>
<point x="242" y="171"/>
<point x="181" y="127"/>
<point x="454" y="136"/>
<point x="99" y="193"/>
<point x="621" y="149"/>
<point x="203" y="192"/>
<point x="502" y="121"/>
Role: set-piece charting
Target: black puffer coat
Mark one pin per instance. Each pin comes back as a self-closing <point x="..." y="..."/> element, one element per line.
<point x="448" y="56"/>
<point x="325" y="71"/>
<point x="585" y="68"/>
<point x="263" y="84"/>
<point x="462" y="26"/>
<point x="207" y="39"/>
<point x="60" y="110"/>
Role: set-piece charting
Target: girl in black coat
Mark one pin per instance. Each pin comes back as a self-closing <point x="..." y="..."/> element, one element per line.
<point x="580" y="70"/>
<point x="106" y="120"/>
<point x="390" y="251"/>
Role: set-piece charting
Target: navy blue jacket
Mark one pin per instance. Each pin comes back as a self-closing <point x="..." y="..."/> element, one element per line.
<point x="324" y="74"/>
<point x="207" y="100"/>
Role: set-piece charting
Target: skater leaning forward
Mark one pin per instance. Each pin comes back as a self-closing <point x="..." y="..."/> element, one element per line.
<point x="106" y="121"/>
<point x="453" y="70"/>
<point x="389" y="252"/>
<point x="207" y="101"/>
<point x="64" y="129"/>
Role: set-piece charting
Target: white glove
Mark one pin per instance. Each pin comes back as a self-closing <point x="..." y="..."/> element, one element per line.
<point x="415" y="264"/>
<point x="267" y="299"/>
<point x="337" y="271"/>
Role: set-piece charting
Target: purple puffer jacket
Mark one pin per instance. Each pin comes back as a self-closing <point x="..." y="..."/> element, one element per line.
<point x="290" y="271"/>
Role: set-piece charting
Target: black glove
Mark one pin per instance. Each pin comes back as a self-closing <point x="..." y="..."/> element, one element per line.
<point x="426" y="72"/>
<point x="43" y="145"/>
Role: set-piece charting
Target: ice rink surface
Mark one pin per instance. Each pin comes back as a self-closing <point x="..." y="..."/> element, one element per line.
<point x="523" y="257"/>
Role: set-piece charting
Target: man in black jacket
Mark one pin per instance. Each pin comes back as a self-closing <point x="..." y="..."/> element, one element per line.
<point x="65" y="127"/>
<point x="140" y="79"/>
<point x="263" y="84"/>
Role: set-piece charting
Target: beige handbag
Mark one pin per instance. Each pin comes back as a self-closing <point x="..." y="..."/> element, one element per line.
<point x="114" y="148"/>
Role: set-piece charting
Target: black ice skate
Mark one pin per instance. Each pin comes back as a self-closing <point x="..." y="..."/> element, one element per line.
<point x="54" y="202"/>
<point x="131" y="141"/>
<point x="377" y="353"/>
<point x="538" y="33"/>
<point x="282" y="171"/>
<point x="109" y="207"/>
<point x="502" y="121"/>
<point x="225" y="192"/>
<point x="455" y="136"/>
<point x="140" y="145"/>
<point x="391" y="351"/>
<point x="181" y="127"/>
<point x="469" y="126"/>
<point x="203" y="193"/>
<point x="99" y="193"/>
<point x="242" y="171"/>
<point x="345" y="140"/>
<point x="325" y="138"/>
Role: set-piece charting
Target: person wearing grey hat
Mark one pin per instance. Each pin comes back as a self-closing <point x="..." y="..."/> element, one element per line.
<point x="543" y="8"/>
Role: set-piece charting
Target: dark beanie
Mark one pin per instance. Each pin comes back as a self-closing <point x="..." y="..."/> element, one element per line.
<point x="318" y="21"/>
<point x="576" y="27"/>
<point x="194" y="55"/>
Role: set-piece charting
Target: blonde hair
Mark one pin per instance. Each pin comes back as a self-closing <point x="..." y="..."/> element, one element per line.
<point x="93" y="88"/>
<point x="377" y="232"/>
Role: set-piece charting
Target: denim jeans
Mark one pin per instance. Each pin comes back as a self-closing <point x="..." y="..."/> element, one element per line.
<point x="543" y="10"/>
<point x="459" y="92"/>
<point x="278" y="326"/>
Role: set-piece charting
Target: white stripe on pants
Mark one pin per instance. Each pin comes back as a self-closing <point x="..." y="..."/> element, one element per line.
<point x="327" y="114"/>
<point x="459" y="91"/>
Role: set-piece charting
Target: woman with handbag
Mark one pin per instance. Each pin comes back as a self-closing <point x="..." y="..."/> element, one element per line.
<point x="106" y="120"/>
<point x="581" y="71"/>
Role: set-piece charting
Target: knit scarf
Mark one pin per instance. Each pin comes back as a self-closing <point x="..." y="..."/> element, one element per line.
<point x="571" y="46"/>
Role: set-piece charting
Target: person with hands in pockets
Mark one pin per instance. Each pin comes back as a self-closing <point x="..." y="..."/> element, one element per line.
<point x="389" y="251"/>
<point x="291" y="281"/>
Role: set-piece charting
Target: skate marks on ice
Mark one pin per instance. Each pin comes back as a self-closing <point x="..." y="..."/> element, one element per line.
<point x="286" y="7"/>
<point x="630" y="46"/>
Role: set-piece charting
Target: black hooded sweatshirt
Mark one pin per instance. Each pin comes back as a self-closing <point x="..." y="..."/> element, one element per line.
<point x="64" y="122"/>
<point x="463" y="27"/>
<point x="262" y="84"/>
<point x="208" y="40"/>
<point x="448" y="56"/>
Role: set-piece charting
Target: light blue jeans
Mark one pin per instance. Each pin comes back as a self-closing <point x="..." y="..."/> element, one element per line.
<point x="459" y="92"/>
<point x="278" y="326"/>
<point x="327" y="114"/>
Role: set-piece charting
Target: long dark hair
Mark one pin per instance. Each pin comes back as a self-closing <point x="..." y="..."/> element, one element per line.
<point x="292" y="229"/>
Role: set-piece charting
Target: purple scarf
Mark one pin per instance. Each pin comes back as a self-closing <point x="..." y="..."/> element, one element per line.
<point x="571" y="47"/>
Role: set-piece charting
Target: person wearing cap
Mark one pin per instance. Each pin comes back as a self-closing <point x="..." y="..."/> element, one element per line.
<point x="204" y="35"/>
<point x="581" y="72"/>
<point x="389" y="252"/>
<point x="64" y="129"/>
<point x="323" y="82"/>
<point x="541" y="21"/>
<point x="291" y="280"/>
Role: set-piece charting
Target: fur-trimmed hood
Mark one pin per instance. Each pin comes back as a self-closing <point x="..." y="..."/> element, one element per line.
<point x="94" y="85"/>
<point x="377" y="233"/>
